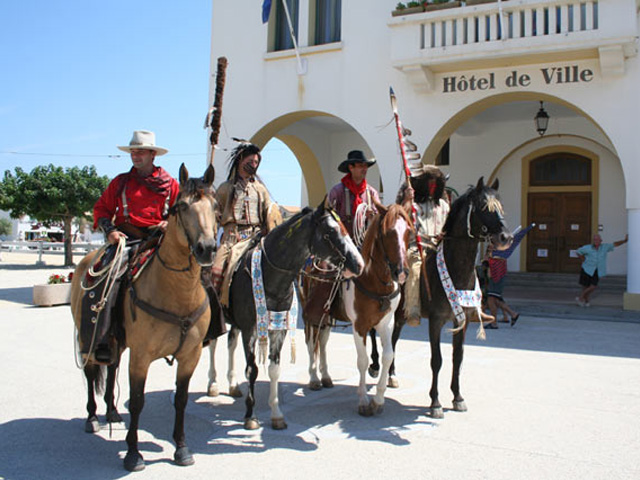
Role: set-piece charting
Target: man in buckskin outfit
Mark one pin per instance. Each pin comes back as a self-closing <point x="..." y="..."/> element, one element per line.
<point x="427" y="192"/>
<point x="245" y="207"/>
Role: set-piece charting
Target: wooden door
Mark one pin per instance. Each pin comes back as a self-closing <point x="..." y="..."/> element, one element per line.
<point x="563" y="224"/>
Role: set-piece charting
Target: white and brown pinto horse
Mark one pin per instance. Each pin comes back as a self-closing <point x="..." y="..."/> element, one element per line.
<point x="165" y="311"/>
<point x="368" y="301"/>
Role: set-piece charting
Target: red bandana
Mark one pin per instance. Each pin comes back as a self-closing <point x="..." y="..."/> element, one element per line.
<point x="159" y="181"/>
<point x="357" y="190"/>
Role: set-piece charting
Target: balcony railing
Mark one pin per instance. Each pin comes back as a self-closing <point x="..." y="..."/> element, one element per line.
<point x="513" y="31"/>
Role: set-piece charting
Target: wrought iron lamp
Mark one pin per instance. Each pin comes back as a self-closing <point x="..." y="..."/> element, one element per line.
<point x="542" y="120"/>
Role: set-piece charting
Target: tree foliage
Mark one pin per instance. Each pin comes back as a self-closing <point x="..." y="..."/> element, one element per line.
<point x="5" y="226"/>
<point x="52" y="193"/>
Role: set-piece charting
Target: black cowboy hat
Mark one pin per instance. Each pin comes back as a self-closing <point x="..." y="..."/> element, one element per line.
<point x="355" y="156"/>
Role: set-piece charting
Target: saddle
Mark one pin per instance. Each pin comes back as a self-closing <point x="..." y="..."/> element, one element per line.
<point x="236" y="254"/>
<point x="315" y="293"/>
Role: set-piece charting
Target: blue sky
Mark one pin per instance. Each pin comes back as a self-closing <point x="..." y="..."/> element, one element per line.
<point x="78" y="77"/>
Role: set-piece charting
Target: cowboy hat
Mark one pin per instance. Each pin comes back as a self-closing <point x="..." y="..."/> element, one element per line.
<point x="354" y="156"/>
<point x="143" y="140"/>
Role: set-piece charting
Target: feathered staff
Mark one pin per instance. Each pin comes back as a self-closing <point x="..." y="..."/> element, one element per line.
<point x="405" y="145"/>
<point x="214" y="117"/>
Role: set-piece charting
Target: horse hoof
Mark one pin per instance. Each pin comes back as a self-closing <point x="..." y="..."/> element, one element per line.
<point x="327" y="383"/>
<point x="251" y="424"/>
<point x="278" y="423"/>
<point x="459" y="406"/>
<point x="213" y="390"/>
<point x="183" y="457"/>
<point x="114" y="417"/>
<point x="235" y="391"/>
<point x="365" y="410"/>
<point x="315" y="386"/>
<point x="92" y="425"/>
<point x="374" y="372"/>
<point x="437" y="412"/>
<point x="376" y="408"/>
<point x="133" y="461"/>
<point x="393" y="382"/>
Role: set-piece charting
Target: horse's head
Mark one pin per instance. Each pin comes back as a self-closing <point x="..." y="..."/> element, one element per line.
<point x="195" y="211"/>
<point x="331" y="242"/>
<point x="485" y="216"/>
<point x="388" y="238"/>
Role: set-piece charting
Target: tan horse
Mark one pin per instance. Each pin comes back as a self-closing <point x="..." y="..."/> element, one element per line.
<point x="165" y="311"/>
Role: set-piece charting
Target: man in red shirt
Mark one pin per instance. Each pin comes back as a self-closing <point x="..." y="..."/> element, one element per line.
<point x="137" y="202"/>
<point x="134" y="205"/>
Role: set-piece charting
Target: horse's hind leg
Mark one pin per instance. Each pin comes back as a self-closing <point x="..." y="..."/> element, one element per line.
<point x="276" y="340"/>
<point x="251" y="372"/>
<point x="109" y="397"/>
<point x="398" y="323"/>
<point x="458" y="353"/>
<point x="232" y="344"/>
<point x="93" y="375"/>
<point x="312" y="339"/>
<point x="435" y="327"/>
<point x="186" y="366"/>
<point x="212" y="385"/>
<point x="374" y="368"/>
<point x="324" y="365"/>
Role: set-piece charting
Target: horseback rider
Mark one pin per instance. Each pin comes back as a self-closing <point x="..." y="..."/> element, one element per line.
<point x="353" y="198"/>
<point x="134" y="206"/>
<point x="427" y="192"/>
<point x="246" y="211"/>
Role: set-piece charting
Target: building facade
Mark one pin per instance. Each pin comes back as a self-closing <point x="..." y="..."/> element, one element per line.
<point x="469" y="80"/>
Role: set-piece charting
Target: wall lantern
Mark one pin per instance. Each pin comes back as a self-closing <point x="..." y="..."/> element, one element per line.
<point x="542" y="120"/>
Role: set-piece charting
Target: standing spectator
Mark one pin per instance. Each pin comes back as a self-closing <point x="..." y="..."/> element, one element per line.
<point x="594" y="266"/>
<point x="497" y="263"/>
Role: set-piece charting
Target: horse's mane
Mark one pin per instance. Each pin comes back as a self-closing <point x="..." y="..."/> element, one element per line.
<point x="389" y="219"/>
<point x="462" y="202"/>
<point x="292" y="220"/>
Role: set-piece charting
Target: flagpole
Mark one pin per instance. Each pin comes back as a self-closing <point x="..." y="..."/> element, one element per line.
<point x="302" y="66"/>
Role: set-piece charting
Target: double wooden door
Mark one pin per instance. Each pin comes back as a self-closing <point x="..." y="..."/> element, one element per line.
<point x="563" y="224"/>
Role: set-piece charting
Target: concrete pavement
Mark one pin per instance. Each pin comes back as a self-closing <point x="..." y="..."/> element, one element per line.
<point x="553" y="398"/>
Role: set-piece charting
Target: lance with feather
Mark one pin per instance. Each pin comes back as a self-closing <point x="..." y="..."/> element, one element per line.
<point x="214" y="117"/>
<point x="408" y="152"/>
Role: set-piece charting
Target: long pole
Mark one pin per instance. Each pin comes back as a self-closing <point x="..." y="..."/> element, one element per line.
<point x="216" y="111"/>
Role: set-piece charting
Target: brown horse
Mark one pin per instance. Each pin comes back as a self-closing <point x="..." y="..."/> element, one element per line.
<point x="165" y="311"/>
<point x="368" y="301"/>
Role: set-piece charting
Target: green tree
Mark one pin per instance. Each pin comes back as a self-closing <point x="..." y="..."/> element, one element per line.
<point x="52" y="193"/>
<point x="5" y="226"/>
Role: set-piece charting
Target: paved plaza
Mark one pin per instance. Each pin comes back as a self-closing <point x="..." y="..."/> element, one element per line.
<point x="551" y="398"/>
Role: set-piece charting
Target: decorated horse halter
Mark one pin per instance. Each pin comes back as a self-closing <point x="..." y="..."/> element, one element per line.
<point x="485" y="230"/>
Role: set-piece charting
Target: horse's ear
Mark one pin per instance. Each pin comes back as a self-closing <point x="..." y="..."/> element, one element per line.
<point x="325" y="203"/>
<point x="496" y="184"/>
<point x="183" y="176"/>
<point x="209" y="175"/>
<point x="480" y="184"/>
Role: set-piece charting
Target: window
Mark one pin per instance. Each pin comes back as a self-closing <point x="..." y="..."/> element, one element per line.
<point x="328" y="20"/>
<point x="560" y="169"/>
<point x="283" y="39"/>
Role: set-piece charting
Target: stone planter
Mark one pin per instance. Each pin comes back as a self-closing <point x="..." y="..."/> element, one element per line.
<point x="480" y="2"/>
<point x="407" y="11"/>
<point x="49" y="295"/>
<point x="441" y="6"/>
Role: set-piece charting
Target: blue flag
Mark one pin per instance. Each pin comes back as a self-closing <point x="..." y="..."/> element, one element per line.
<point x="266" y="10"/>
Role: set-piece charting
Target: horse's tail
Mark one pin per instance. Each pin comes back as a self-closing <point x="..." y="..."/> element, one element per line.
<point x="98" y="373"/>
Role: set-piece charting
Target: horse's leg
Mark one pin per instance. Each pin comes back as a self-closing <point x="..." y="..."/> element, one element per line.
<point x="186" y="366"/>
<point x="385" y="329"/>
<point x="276" y="339"/>
<point x="398" y="323"/>
<point x="458" y="353"/>
<point x="251" y="373"/>
<point x="92" y="374"/>
<point x="324" y="365"/>
<point x="374" y="368"/>
<point x="232" y="344"/>
<point x="435" y="328"/>
<point x="138" y="369"/>
<point x="364" y="406"/>
<point x="109" y="397"/>
<point x="212" y="385"/>
<point x="312" y="338"/>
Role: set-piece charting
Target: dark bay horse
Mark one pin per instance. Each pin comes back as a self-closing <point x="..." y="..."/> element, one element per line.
<point x="368" y="302"/>
<point x="475" y="216"/>
<point x="165" y="311"/>
<point x="284" y="250"/>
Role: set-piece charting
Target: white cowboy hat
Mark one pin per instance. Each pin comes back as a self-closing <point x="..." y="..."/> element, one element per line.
<point x="143" y="140"/>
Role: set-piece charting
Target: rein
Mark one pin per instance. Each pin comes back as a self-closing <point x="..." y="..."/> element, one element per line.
<point x="384" y="300"/>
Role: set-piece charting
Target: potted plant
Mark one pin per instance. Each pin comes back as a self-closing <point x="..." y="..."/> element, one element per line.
<point x="57" y="291"/>
<point x="442" y="4"/>
<point x="408" y="8"/>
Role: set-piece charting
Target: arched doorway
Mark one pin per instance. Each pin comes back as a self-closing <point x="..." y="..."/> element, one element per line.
<point x="560" y="200"/>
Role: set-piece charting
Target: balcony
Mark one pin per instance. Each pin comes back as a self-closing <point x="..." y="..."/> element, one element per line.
<point x="513" y="32"/>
